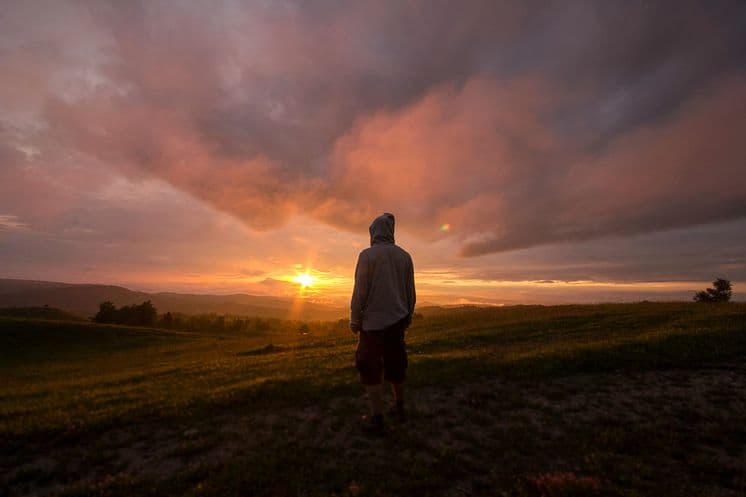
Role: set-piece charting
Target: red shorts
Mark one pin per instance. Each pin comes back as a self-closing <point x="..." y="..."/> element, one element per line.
<point x="382" y="354"/>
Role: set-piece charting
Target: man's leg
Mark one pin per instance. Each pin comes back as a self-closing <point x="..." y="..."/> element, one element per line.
<point x="398" y="390"/>
<point x="395" y="366"/>
<point x="368" y="358"/>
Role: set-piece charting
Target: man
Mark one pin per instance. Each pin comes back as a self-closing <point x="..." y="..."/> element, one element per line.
<point x="381" y="309"/>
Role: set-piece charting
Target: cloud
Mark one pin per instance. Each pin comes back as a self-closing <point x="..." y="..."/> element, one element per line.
<point x="459" y="155"/>
<point x="10" y="222"/>
<point x="699" y="253"/>
<point x="682" y="171"/>
<point x="520" y="124"/>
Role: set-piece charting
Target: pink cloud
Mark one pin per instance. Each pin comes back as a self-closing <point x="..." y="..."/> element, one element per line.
<point x="513" y="125"/>
<point x="681" y="171"/>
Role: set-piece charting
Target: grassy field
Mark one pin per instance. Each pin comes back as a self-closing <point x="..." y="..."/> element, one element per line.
<point x="627" y="399"/>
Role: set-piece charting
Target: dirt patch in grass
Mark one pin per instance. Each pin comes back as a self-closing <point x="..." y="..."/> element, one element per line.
<point x="267" y="349"/>
<point x="678" y="432"/>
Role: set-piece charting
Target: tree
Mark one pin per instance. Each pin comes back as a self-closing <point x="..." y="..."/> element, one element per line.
<point x="146" y="314"/>
<point x="107" y="312"/>
<point x="721" y="291"/>
<point x="167" y="321"/>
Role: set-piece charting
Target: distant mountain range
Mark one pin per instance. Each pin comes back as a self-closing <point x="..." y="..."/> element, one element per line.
<point x="84" y="299"/>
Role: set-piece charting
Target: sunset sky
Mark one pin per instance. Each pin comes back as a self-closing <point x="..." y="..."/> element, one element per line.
<point x="531" y="151"/>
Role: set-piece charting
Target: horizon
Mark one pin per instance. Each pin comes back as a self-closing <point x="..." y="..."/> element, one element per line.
<point x="631" y="294"/>
<point x="565" y="154"/>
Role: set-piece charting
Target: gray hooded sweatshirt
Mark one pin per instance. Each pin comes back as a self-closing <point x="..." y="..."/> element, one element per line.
<point x="384" y="281"/>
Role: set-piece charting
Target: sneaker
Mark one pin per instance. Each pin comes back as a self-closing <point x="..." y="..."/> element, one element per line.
<point x="373" y="425"/>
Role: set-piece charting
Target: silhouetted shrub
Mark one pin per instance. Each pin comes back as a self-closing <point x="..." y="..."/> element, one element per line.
<point x="721" y="291"/>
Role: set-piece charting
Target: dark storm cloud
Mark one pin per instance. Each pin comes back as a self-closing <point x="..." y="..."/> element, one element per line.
<point x="518" y="123"/>
<point x="716" y="250"/>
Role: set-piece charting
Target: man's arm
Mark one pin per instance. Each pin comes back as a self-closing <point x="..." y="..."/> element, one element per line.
<point x="360" y="293"/>
<point x="411" y="293"/>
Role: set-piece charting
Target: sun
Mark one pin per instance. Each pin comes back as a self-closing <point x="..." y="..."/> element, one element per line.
<point x="304" y="280"/>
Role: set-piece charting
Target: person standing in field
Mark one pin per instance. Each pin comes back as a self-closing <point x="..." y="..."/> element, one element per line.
<point x="381" y="310"/>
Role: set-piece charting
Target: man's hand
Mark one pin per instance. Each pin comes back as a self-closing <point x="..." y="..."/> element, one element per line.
<point x="355" y="327"/>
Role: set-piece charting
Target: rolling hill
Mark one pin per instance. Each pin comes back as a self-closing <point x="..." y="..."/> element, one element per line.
<point x="84" y="299"/>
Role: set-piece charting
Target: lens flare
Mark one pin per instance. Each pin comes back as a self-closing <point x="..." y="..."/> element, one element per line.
<point x="304" y="280"/>
<point x="445" y="227"/>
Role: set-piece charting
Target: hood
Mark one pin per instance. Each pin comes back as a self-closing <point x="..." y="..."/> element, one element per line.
<point x="382" y="229"/>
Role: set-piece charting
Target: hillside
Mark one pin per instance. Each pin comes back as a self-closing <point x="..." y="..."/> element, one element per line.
<point x="45" y="313"/>
<point x="638" y="399"/>
<point x="85" y="299"/>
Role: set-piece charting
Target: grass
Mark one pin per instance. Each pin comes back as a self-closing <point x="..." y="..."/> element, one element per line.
<point x="618" y="399"/>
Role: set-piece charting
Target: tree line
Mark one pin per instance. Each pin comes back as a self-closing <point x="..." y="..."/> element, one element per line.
<point x="146" y="314"/>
